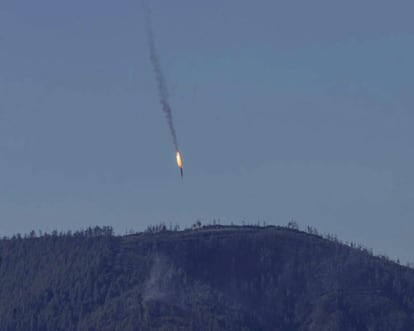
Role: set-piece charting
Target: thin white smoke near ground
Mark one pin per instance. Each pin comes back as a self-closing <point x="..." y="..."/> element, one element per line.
<point x="159" y="283"/>
<point x="159" y="75"/>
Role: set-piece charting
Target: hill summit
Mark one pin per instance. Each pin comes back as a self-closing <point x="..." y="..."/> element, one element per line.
<point x="209" y="278"/>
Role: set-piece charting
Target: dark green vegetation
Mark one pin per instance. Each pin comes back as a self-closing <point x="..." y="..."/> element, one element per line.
<point x="212" y="278"/>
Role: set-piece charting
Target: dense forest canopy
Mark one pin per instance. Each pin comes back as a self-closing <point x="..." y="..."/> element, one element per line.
<point x="204" y="278"/>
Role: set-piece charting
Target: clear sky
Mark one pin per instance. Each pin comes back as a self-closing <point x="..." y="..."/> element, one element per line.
<point x="283" y="109"/>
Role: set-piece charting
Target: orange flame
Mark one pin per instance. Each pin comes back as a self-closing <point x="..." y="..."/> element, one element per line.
<point x="179" y="161"/>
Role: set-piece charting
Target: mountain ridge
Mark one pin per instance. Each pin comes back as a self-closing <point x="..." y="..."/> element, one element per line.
<point x="205" y="278"/>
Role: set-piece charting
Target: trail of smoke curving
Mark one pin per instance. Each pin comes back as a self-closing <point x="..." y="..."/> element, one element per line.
<point x="159" y="76"/>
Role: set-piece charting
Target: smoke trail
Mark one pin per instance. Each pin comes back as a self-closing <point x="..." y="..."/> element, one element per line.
<point x="159" y="76"/>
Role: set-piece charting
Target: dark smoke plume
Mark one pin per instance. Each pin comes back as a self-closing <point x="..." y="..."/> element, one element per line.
<point x="159" y="76"/>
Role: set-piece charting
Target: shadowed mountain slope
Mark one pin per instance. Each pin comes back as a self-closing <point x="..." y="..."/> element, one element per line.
<point x="213" y="278"/>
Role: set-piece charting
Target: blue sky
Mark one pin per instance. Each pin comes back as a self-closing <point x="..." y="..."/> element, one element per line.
<point x="283" y="110"/>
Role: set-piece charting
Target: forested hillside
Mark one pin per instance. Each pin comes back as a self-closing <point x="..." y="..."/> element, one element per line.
<point x="211" y="278"/>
